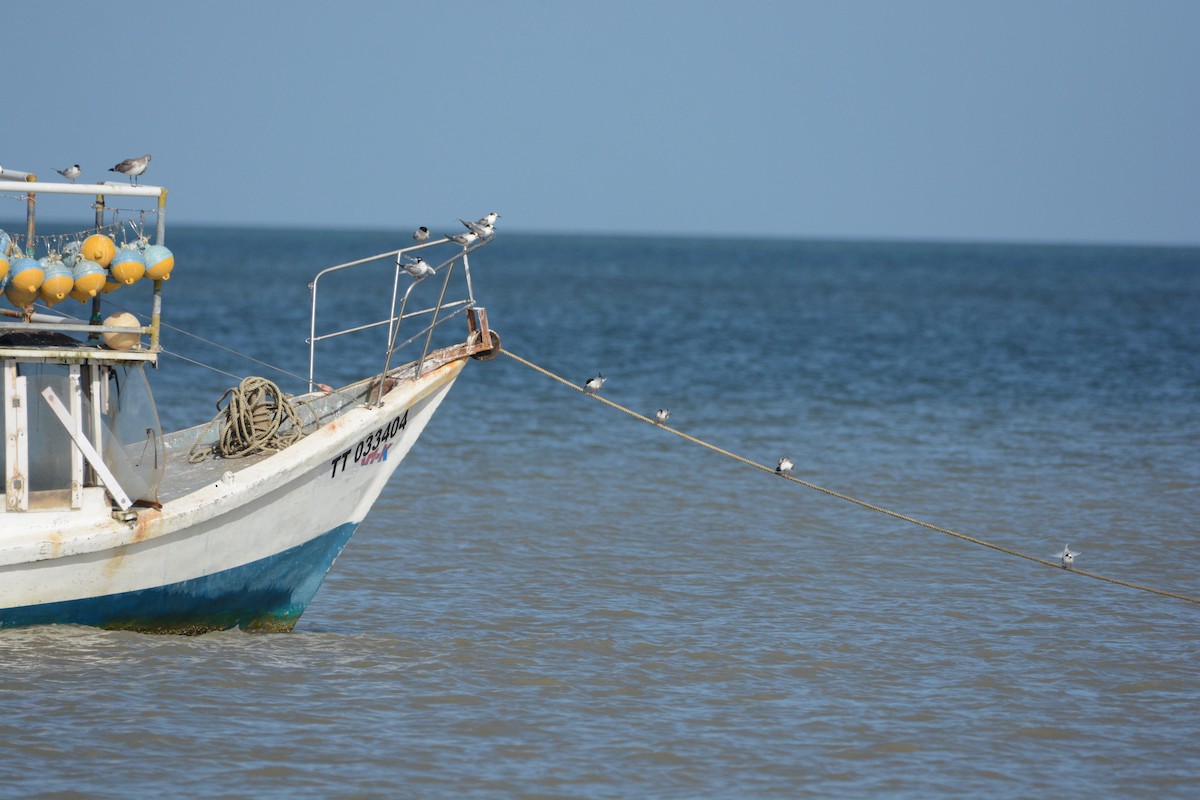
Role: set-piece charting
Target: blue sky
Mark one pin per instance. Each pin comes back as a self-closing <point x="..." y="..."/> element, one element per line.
<point x="998" y="121"/>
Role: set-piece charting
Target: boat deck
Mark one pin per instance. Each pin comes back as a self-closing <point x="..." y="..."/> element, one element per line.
<point x="315" y="409"/>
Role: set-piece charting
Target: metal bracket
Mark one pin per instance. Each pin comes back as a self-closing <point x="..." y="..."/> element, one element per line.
<point x="483" y="343"/>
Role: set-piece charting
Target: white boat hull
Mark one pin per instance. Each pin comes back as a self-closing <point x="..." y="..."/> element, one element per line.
<point x="249" y="550"/>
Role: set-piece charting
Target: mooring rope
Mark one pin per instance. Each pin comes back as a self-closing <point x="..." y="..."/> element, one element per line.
<point x="252" y="422"/>
<point x="839" y="495"/>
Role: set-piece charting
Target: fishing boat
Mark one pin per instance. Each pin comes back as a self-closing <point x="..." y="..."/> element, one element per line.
<point x="234" y="522"/>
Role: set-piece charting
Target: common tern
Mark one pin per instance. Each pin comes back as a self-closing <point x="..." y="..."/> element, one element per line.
<point x="1067" y="556"/>
<point x="418" y="269"/>
<point x="465" y="239"/>
<point x="482" y="229"/>
<point x="70" y="173"/>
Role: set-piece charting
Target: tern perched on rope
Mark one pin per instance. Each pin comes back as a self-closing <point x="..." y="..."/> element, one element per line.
<point x="1067" y="556"/>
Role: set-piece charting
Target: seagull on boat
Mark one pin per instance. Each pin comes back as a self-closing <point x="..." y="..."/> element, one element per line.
<point x="662" y="415"/>
<point x="593" y="384"/>
<point x="418" y="269"/>
<point x="132" y="167"/>
<point x="464" y="239"/>
<point x="1067" y="556"/>
<point x="70" y="173"/>
<point x="421" y="233"/>
<point x="785" y="466"/>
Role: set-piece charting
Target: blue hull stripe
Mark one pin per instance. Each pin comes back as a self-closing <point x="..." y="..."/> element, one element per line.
<point x="269" y="594"/>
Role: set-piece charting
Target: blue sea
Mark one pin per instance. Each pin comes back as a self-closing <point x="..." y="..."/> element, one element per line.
<point x="553" y="599"/>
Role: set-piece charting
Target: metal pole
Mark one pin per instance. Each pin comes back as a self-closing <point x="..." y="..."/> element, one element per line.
<point x="30" y="217"/>
<point x="161" y="232"/>
<point x="96" y="316"/>
<point x="467" y="271"/>
<point x="312" y="332"/>
<point x="436" y="312"/>
<point x="395" y="290"/>
<point x="156" y="316"/>
<point x="156" y="308"/>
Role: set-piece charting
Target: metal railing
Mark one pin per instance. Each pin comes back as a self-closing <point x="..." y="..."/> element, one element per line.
<point x="432" y="316"/>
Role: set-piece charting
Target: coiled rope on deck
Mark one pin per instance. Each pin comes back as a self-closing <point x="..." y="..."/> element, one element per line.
<point x="252" y="422"/>
<point x="839" y="495"/>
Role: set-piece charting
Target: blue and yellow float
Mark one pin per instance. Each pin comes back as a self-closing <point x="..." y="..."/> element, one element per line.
<point x="27" y="274"/>
<point x="127" y="266"/>
<point x="57" y="282"/>
<point x="90" y="278"/>
<point x="83" y="270"/>
<point x="159" y="262"/>
<point x="4" y="242"/>
<point x="20" y="297"/>
<point x="70" y="253"/>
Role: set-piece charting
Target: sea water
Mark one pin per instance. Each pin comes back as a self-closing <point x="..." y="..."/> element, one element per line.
<point x="554" y="599"/>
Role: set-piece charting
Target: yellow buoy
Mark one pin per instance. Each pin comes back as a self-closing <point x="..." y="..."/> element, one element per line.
<point x="80" y="295"/>
<point x="20" y="297"/>
<point x="159" y="262"/>
<point x="128" y="266"/>
<point x="4" y="242"/>
<point x="122" y="341"/>
<point x="27" y="274"/>
<point x="99" y="248"/>
<point x="57" y="284"/>
<point x="89" y="279"/>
